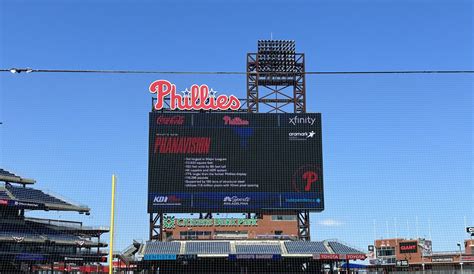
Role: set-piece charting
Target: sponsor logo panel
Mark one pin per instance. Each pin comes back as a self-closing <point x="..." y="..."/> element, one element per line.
<point x="301" y="200"/>
<point x="301" y="135"/>
<point x="408" y="247"/>
<point x="302" y="120"/>
<point x="247" y="200"/>
<point x="235" y="121"/>
<point x="175" y="120"/>
<point x="160" y="257"/>
<point x="170" y="199"/>
<point x="355" y="256"/>
<point x="274" y="257"/>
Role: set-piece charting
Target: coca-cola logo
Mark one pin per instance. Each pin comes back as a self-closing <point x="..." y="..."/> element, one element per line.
<point x="198" y="98"/>
<point x="170" y="120"/>
<point x="236" y="121"/>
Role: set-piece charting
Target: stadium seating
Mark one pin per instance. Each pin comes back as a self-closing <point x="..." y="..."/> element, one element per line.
<point x="34" y="195"/>
<point x="258" y="249"/>
<point x="162" y="248"/>
<point x="37" y="232"/>
<point x="302" y="247"/>
<point x="17" y="230"/>
<point x="342" y="249"/>
<point x="52" y="234"/>
<point x="3" y="194"/>
<point x="207" y="248"/>
<point x="6" y="173"/>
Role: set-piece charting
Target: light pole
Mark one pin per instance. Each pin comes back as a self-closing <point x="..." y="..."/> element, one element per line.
<point x="460" y="256"/>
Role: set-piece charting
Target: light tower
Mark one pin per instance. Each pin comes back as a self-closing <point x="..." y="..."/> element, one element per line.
<point x="276" y="83"/>
<point x="276" y="78"/>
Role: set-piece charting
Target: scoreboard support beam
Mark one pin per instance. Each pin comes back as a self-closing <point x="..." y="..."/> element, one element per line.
<point x="303" y="225"/>
<point x="156" y="226"/>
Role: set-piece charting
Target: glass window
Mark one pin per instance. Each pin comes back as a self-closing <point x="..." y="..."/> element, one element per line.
<point x="283" y="217"/>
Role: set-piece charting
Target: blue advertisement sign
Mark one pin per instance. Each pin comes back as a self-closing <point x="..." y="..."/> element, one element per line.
<point x="160" y="257"/>
<point x="167" y="201"/>
<point x="29" y="257"/>
<point x="301" y="200"/>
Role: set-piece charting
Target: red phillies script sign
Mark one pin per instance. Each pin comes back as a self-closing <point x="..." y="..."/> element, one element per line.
<point x="408" y="247"/>
<point x="199" y="98"/>
<point x="236" y="121"/>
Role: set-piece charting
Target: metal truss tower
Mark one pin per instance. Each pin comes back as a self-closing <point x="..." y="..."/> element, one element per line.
<point x="276" y="83"/>
<point x="276" y="78"/>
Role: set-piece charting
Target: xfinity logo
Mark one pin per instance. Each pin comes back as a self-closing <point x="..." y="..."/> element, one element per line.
<point x="301" y="120"/>
<point x="234" y="200"/>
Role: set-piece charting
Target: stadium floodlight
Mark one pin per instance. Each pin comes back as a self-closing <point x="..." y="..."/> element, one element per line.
<point x="276" y="55"/>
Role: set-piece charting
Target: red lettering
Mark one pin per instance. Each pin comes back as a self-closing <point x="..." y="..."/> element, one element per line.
<point x="162" y="88"/>
<point x="198" y="99"/>
<point x="173" y="120"/>
<point x="182" y="145"/>
<point x="310" y="177"/>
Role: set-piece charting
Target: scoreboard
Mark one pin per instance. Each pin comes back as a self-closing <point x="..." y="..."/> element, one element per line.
<point x="234" y="162"/>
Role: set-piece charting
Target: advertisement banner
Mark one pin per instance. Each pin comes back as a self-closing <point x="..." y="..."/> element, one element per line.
<point x="408" y="247"/>
<point x="229" y="162"/>
<point x="426" y="247"/>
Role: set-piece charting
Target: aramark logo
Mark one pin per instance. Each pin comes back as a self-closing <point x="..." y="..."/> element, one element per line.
<point x="301" y="136"/>
<point x="236" y="201"/>
<point x="301" y="120"/>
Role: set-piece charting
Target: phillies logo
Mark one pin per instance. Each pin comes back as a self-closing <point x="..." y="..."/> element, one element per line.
<point x="236" y="121"/>
<point x="305" y="177"/>
<point x="199" y="98"/>
<point x="310" y="177"/>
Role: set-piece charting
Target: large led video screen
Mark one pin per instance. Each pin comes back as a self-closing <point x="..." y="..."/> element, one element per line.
<point x="234" y="162"/>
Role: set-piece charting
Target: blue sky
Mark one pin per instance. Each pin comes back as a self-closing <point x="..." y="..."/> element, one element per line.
<point x="396" y="147"/>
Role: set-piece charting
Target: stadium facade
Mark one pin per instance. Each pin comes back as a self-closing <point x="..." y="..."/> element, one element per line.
<point x="399" y="254"/>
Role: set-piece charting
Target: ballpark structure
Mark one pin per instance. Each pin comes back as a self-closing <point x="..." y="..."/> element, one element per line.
<point x="28" y="244"/>
<point x="245" y="179"/>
